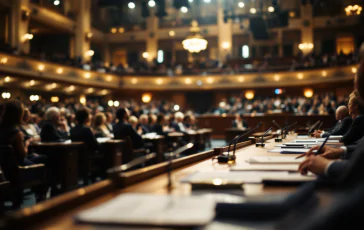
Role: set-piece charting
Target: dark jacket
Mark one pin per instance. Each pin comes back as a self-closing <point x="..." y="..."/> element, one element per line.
<point x="50" y="133"/>
<point x="158" y="128"/>
<point x="81" y="133"/>
<point x="123" y="130"/>
<point x="341" y="128"/>
<point x="146" y="129"/>
<point x="356" y="131"/>
<point x="177" y="128"/>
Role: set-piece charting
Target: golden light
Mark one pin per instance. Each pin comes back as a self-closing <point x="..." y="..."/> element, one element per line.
<point x="188" y="81"/>
<point x="194" y="43"/>
<point x="83" y="99"/>
<point x="271" y="9"/>
<point x="110" y="103"/>
<point x="300" y="76"/>
<point x="292" y="14"/>
<point x="6" y="95"/>
<point x="277" y="77"/>
<point x="225" y="45"/>
<point x="308" y="93"/>
<point x="172" y="33"/>
<point x="121" y="30"/>
<point x="59" y="70"/>
<point x="32" y="82"/>
<point x="34" y="98"/>
<point x="253" y="10"/>
<point x="116" y="103"/>
<point x="217" y="181"/>
<point x="113" y="30"/>
<point x="210" y="80"/>
<point x="324" y="73"/>
<point x="90" y="90"/>
<point x="241" y="79"/>
<point x="54" y="99"/>
<point x="7" y="79"/>
<point x="28" y="37"/>
<point x="41" y="67"/>
<point x="71" y="88"/>
<point x="89" y="53"/>
<point x="87" y="75"/>
<point x="305" y="46"/>
<point x="109" y="78"/>
<point x="354" y="70"/>
<point x="145" y="55"/>
<point x="54" y="85"/>
<point x="249" y="94"/>
<point x="146" y="97"/>
<point x="89" y="35"/>
<point x="104" y="92"/>
<point x="159" y="81"/>
<point x="134" y="81"/>
<point x="4" y="60"/>
<point x="353" y="10"/>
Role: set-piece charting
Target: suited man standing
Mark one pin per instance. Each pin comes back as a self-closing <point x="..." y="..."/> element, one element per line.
<point x="53" y="129"/>
<point x="342" y="126"/>
<point x="239" y="122"/>
<point x="123" y="129"/>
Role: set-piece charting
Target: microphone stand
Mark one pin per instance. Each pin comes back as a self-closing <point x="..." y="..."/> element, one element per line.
<point x="313" y="128"/>
<point x="170" y="157"/>
<point x="285" y="129"/>
<point x="278" y="139"/>
<point x="261" y="144"/>
<point x="226" y="158"/>
<point x="115" y="171"/>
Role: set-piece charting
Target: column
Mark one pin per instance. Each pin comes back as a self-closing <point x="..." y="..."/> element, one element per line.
<point x="307" y="26"/>
<point x="19" y="25"/>
<point x="280" y="42"/>
<point x="152" y="37"/>
<point x="225" y="35"/>
<point x="106" y="56"/>
<point x="83" y="26"/>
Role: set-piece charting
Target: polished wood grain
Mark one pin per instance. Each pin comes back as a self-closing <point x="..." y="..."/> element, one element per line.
<point x="57" y="213"/>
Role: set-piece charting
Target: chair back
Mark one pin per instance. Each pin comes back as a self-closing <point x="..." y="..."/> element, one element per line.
<point x="127" y="150"/>
<point x="9" y="164"/>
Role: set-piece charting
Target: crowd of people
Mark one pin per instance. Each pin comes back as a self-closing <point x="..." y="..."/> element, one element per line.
<point x="319" y="104"/>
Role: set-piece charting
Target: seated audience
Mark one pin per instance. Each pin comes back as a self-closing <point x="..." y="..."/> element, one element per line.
<point x="177" y="124"/>
<point x="29" y="129"/>
<point x="133" y="120"/>
<point x="100" y="127"/>
<point x="342" y="126"/>
<point x="152" y="120"/>
<point x="82" y="131"/>
<point x="356" y="110"/>
<point x="54" y="129"/>
<point x="143" y="121"/>
<point x="123" y="129"/>
<point x="160" y="126"/>
<point x="190" y="122"/>
<point x="239" y="122"/>
<point x="109" y="121"/>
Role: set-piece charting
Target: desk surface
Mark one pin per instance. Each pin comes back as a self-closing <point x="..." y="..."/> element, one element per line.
<point x="155" y="185"/>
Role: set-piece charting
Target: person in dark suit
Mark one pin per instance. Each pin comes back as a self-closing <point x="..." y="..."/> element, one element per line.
<point x="82" y="132"/>
<point x="190" y="122"/>
<point x="53" y="129"/>
<point x="123" y="129"/>
<point x="143" y="123"/>
<point x="159" y="126"/>
<point x="239" y="122"/>
<point x="356" y="110"/>
<point x="342" y="126"/>
<point x="177" y="124"/>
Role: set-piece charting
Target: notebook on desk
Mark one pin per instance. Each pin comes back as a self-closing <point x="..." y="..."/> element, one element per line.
<point x="151" y="210"/>
<point x="274" y="160"/>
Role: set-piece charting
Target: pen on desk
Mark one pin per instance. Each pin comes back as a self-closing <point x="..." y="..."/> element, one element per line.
<point x="318" y="151"/>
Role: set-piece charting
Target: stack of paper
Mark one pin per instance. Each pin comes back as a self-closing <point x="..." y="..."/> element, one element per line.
<point x="265" y="167"/>
<point x="274" y="160"/>
<point x="151" y="210"/>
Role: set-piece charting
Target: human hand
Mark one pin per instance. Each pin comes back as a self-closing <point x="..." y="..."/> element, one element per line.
<point x="314" y="164"/>
<point x="326" y="152"/>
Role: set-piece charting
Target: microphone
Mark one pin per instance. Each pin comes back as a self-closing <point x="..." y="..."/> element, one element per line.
<point x="278" y="139"/>
<point x="171" y="155"/>
<point x="288" y="127"/>
<point x="261" y="144"/>
<point x="313" y="127"/>
<point x="226" y="158"/>
<point x="319" y="127"/>
<point x="119" y="169"/>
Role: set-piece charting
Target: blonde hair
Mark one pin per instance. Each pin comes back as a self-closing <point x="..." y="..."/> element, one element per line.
<point x="133" y="120"/>
<point x="99" y="119"/>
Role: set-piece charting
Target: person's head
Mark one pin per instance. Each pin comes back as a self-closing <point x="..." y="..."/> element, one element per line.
<point x="26" y="116"/>
<point x="99" y="120"/>
<point x="52" y="114"/>
<point x="108" y="117"/>
<point x="238" y="117"/>
<point x="143" y="119"/>
<point x="133" y="120"/>
<point x="179" y="117"/>
<point x="355" y="105"/>
<point x="161" y="119"/>
<point x="152" y="119"/>
<point x="123" y="114"/>
<point x="342" y="112"/>
<point x="82" y="116"/>
<point x="359" y="81"/>
<point x="12" y="114"/>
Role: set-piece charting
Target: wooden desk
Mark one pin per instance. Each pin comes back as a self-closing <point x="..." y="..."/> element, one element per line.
<point x="58" y="212"/>
<point x="63" y="161"/>
<point x="157" y="143"/>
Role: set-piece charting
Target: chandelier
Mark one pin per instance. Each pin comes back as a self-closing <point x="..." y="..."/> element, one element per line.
<point x="195" y="42"/>
<point x="353" y="10"/>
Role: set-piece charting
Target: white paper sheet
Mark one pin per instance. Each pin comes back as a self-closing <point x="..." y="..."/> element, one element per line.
<point x="103" y="139"/>
<point x="290" y="178"/>
<point x="314" y="140"/>
<point x="228" y="177"/>
<point x="265" y="167"/>
<point x="288" y="151"/>
<point x="274" y="160"/>
<point x="153" y="210"/>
